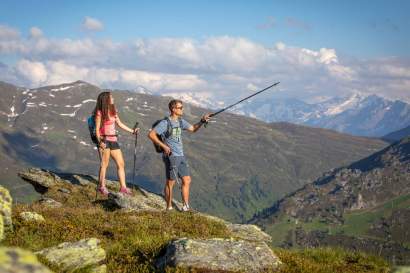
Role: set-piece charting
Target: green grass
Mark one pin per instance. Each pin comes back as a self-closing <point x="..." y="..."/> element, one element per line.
<point x="358" y="223"/>
<point x="133" y="240"/>
<point x="329" y="260"/>
<point x="279" y="230"/>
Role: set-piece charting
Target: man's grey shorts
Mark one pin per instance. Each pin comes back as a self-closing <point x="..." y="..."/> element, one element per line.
<point x="175" y="165"/>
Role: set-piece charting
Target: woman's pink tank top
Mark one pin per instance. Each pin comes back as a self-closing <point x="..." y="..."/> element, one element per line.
<point x="107" y="130"/>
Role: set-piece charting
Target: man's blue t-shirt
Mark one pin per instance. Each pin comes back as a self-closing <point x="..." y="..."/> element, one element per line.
<point x="174" y="141"/>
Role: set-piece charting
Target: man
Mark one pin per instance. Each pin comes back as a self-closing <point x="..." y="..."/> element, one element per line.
<point x="173" y="154"/>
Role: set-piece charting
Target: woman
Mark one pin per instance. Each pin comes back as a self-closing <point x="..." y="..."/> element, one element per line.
<point x="106" y="117"/>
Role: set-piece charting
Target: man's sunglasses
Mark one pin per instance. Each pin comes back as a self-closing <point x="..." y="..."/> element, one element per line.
<point x="180" y="107"/>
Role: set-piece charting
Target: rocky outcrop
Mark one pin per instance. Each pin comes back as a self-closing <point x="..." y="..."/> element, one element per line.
<point x="29" y="216"/>
<point x="44" y="180"/>
<point x="13" y="260"/>
<point x="146" y="201"/>
<point x="246" y="250"/>
<point x="250" y="233"/>
<point x="84" y="254"/>
<point x="5" y="209"/>
<point x="218" y="255"/>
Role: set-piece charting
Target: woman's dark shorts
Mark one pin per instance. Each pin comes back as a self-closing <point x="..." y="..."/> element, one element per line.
<point x="112" y="145"/>
<point x="175" y="165"/>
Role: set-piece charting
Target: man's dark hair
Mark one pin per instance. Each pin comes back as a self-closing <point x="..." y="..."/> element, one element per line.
<point x="173" y="103"/>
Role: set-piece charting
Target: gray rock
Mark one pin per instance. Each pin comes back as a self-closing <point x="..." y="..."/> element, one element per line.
<point x="75" y="256"/>
<point x="219" y="254"/>
<point x="5" y="210"/>
<point x="13" y="260"/>
<point x="64" y="190"/>
<point x="28" y="216"/>
<point x="141" y="200"/>
<point x="249" y="233"/>
<point x="49" y="202"/>
<point x="41" y="180"/>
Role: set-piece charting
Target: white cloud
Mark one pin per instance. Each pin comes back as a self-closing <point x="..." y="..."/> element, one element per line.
<point x="60" y="72"/>
<point x="327" y="56"/>
<point x="252" y="87"/>
<point x="8" y="33"/>
<point x="226" y="67"/>
<point x="280" y="46"/>
<point x="35" y="72"/>
<point x="36" y="32"/>
<point x="92" y="24"/>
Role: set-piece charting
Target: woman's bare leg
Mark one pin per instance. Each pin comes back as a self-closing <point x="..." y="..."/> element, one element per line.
<point x="119" y="160"/>
<point x="105" y="159"/>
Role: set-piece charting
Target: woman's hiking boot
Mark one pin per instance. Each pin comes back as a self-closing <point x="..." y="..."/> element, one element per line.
<point x="126" y="191"/>
<point x="103" y="191"/>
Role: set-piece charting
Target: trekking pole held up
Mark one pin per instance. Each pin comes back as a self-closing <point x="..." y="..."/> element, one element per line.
<point x="232" y="105"/>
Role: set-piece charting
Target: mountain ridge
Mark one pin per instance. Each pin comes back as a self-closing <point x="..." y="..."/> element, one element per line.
<point x="239" y="165"/>
<point x="367" y="200"/>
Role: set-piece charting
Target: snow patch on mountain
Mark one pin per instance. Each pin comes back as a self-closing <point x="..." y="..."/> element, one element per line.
<point x="89" y="100"/>
<point x="198" y="99"/>
<point x="61" y="88"/>
<point x="351" y="102"/>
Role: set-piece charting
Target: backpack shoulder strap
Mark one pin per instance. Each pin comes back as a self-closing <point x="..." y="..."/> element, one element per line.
<point x="180" y="123"/>
<point x="169" y="128"/>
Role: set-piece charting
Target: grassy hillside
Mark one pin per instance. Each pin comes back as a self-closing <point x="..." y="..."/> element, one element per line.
<point x="132" y="240"/>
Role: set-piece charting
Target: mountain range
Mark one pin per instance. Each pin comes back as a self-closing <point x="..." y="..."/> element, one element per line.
<point x="239" y="165"/>
<point x="364" y="205"/>
<point x="356" y="114"/>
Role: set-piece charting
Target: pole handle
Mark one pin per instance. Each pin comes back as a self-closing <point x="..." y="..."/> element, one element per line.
<point x="136" y="125"/>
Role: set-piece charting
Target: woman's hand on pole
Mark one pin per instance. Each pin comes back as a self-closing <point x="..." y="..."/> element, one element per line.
<point x="136" y="131"/>
<point x="101" y="144"/>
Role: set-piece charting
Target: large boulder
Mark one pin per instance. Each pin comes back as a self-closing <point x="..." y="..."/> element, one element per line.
<point x="219" y="255"/>
<point x="241" y="231"/>
<point x="5" y="209"/>
<point x="42" y="180"/>
<point x="76" y="256"/>
<point x="13" y="260"/>
<point x="141" y="200"/>
<point x="248" y="233"/>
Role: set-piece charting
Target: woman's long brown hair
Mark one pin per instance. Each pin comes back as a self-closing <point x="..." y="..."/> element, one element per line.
<point x="103" y="105"/>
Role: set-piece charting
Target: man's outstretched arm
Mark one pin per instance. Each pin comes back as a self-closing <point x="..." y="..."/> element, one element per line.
<point x="205" y="118"/>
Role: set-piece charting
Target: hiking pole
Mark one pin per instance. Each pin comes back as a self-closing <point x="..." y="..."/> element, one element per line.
<point x="232" y="105"/>
<point x="99" y="156"/>
<point x="135" y="159"/>
<point x="135" y="152"/>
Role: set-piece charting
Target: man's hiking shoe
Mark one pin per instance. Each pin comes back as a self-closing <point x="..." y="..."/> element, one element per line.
<point x="126" y="191"/>
<point x="186" y="207"/>
<point x="103" y="190"/>
<point x="169" y="209"/>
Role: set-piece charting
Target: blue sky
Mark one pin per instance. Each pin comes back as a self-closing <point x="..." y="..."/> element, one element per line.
<point x="311" y="38"/>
